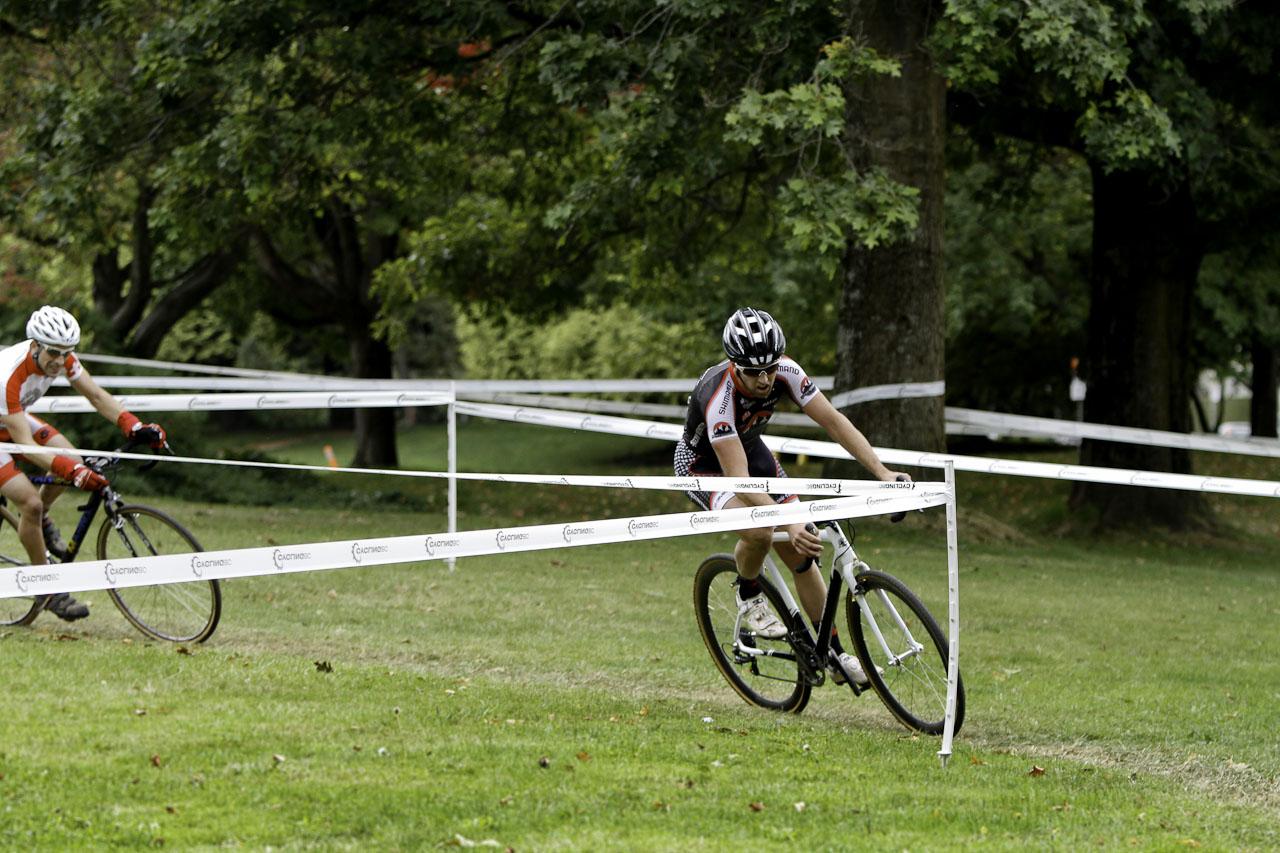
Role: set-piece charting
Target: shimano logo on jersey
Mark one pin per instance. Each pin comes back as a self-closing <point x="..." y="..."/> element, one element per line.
<point x="722" y="428"/>
<point x="434" y="544"/>
<point x="570" y="531"/>
<point x="198" y="565"/>
<point x="633" y="526"/>
<point x="502" y="538"/>
<point x="281" y="558"/>
<point x="112" y="571"/>
<point x="21" y="578"/>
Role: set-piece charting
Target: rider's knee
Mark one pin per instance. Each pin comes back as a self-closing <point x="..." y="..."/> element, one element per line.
<point x="31" y="505"/>
<point x="758" y="537"/>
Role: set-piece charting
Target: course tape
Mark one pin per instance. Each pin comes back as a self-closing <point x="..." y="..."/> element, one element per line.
<point x="889" y="392"/>
<point x="1026" y="424"/>
<point x="353" y="553"/>
<point x="241" y="402"/>
<point x="831" y="450"/>
<point x="762" y="485"/>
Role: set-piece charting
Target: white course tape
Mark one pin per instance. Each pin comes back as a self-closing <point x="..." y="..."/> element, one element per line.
<point x="831" y="450"/>
<point x="1130" y="435"/>
<point x="763" y="485"/>
<point x="241" y="402"/>
<point x="889" y="392"/>
<point x="316" y="556"/>
<point x="207" y="369"/>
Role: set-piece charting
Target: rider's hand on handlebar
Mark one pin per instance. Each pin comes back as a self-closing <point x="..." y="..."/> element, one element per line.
<point x="81" y="476"/>
<point x="136" y="431"/>
<point x="899" y="477"/>
<point x="804" y="540"/>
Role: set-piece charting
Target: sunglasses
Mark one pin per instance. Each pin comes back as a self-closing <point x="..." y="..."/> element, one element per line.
<point x="57" y="353"/>
<point x="753" y="372"/>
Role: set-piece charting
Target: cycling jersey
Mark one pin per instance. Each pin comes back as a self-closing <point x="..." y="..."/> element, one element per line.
<point x="21" y="380"/>
<point x="719" y="410"/>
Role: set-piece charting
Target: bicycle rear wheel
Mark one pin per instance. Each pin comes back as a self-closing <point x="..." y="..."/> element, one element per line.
<point x="909" y="669"/>
<point x="177" y="612"/>
<point x="772" y="680"/>
<point x="21" y="610"/>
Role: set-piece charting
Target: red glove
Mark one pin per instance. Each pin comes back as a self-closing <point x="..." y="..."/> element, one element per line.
<point x="78" y="475"/>
<point x="135" y="429"/>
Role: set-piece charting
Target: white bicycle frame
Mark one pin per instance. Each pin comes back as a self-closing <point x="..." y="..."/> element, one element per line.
<point x="848" y="564"/>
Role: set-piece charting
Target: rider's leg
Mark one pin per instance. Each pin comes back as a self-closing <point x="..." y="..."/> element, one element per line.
<point x="810" y="585"/>
<point x="50" y="493"/>
<point x="26" y="500"/>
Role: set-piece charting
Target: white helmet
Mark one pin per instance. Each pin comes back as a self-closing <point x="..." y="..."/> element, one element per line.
<point x="53" y="327"/>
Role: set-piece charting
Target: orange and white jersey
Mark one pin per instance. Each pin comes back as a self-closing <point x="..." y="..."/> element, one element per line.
<point x="21" y="380"/>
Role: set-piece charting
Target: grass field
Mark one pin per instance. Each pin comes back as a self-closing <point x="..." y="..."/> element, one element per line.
<point x="1123" y="691"/>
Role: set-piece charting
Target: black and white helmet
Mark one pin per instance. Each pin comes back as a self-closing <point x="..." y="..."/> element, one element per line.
<point x="753" y="339"/>
<point x="53" y="327"/>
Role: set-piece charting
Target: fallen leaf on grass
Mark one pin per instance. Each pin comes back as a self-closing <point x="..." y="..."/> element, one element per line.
<point x="182" y="650"/>
<point x="544" y="762"/>
<point x="584" y="756"/>
<point x="800" y="806"/>
<point x="644" y="711"/>
<point x="973" y="759"/>
<point x="324" y="666"/>
<point x="463" y="841"/>
<point x="1065" y="807"/>
<point x="171" y="809"/>
<point x="155" y="761"/>
<point x="1035" y="770"/>
<point x="61" y="637"/>
<point x="756" y="807"/>
<point x="333" y="593"/>
<point x="139" y="712"/>
<point x="1189" y="842"/>
<point x="660" y="806"/>
<point x="278" y="758"/>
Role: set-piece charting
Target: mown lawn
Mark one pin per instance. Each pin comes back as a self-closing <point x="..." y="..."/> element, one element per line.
<point x="1122" y="691"/>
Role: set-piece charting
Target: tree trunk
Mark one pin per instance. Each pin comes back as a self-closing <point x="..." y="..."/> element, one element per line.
<point x="1146" y="258"/>
<point x="892" y="323"/>
<point x="1263" y="409"/>
<point x="375" y="428"/>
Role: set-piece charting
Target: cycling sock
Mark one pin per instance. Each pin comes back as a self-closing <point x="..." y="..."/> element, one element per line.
<point x="748" y="589"/>
<point x="835" y="643"/>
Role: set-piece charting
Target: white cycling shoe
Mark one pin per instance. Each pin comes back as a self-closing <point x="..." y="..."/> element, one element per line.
<point x="853" y="667"/>
<point x="759" y="618"/>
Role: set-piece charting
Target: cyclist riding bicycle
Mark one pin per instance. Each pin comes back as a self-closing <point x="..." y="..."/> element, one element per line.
<point x="27" y="370"/>
<point x="728" y="412"/>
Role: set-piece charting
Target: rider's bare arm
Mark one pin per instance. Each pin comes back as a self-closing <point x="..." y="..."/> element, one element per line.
<point x="843" y="432"/>
<point x="733" y="462"/>
<point x="102" y="402"/>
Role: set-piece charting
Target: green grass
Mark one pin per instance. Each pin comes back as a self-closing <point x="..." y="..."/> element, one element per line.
<point x="556" y="700"/>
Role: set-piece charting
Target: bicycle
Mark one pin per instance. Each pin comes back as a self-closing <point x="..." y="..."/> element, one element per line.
<point x="180" y="613"/>
<point x="887" y="623"/>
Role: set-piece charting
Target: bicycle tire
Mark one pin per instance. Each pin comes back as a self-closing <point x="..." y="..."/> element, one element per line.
<point x="914" y="689"/>
<point x="20" y="610"/>
<point x="178" y="612"/>
<point x="754" y="679"/>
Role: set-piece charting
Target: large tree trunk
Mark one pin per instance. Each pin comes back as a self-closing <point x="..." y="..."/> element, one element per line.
<point x="1146" y="258"/>
<point x="375" y="428"/>
<point x="1263" y="407"/>
<point x="891" y="326"/>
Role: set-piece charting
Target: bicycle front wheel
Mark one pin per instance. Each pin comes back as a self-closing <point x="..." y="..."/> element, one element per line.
<point x="177" y="612"/>
<point x="903" y="652"/>
<point x="763" y="672"/>
<point x="23" y="609"/>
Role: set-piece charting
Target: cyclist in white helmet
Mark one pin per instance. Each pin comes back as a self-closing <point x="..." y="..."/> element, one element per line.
<point x="27" y="369"/>
<point x="728" y="412"/>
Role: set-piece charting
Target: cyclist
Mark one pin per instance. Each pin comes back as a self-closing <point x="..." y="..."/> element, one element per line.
<point x="728" y="412"/>
<point x="27" y="370"/>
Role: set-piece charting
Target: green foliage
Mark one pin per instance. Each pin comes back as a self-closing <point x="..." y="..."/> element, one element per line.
<point x="617" y="342"/>
<point x="1018" y="239"/>
<point x="822" y="212"/>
